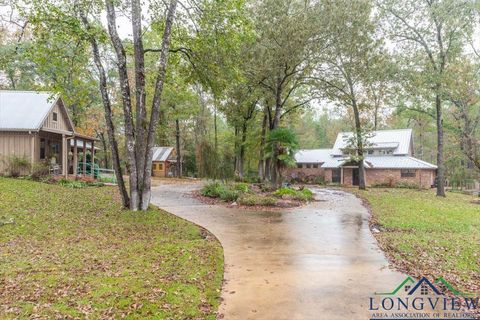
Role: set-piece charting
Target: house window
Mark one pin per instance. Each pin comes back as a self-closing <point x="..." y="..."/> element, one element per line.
<point x="336" y="176"/>
<point x="54" y="116"/>
<point x="309" y="165"/>
<point x="370" y="151"/>
<point x="154" y="167"/>
<point x="407" y="288"/>
<point x="160" y="166"/>
<point x="315" y="165"/>
<point x="424" y="290"/>
<point x="42" y="149"/>
<point x="407" y="173"/>
<point x="299" y="165"/>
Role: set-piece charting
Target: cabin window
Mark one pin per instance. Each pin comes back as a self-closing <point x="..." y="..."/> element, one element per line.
<point x="336" y="176"/>
<point x="55" y="116"/>
<point x="315" y="165"/>
<point x="407" y="288"/>
<point x="160" y="166"/>
<point x="154" y="166"/>
<point x="299" y="165"/>
<point x="407" y="173"/>
<point x="309" y="165"/>
<point x="42" y="149"/>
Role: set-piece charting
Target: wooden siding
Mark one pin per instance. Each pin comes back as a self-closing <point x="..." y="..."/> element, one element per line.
<point x="155" y="169"/>
<point x="62" y="123"/>
<point x="19" y="144"/>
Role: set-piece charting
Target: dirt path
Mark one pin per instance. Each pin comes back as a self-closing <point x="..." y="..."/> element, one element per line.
<point x="315" y="262"/>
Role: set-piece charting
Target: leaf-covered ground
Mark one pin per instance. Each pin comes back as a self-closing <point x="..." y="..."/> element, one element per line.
<point x="425" y="235"/>
<point x="74" y="253"/>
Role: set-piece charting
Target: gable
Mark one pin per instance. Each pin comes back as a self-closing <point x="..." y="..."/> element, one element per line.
<point x="57" y="118"/>
<point x="399" y="141"/>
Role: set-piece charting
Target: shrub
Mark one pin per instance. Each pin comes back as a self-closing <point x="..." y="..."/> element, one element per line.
<point x="40" y="171"/>
<point x="219" y="190"/>
<point x="407" y="185"/>
<point x="212" y="190"/>
<point x="381" y="185"/>
<point x="17" y="165"/>
<point x="302" y="195"/>
<point x="229" y="194"/>
<point x="319" y="180"/>
<point x="256" y="200"/>
<point x="242" y="187"/>
<point x="72" y="183"/>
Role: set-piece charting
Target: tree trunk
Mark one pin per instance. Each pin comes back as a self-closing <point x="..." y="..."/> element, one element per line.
<point x="440" y="165"/>
<point x="108" y="118"/>
<point x="126" y="103"/>
<point x="358" y="130"/>
<point x="106" y="161"/>
<point x="242" y="151"/>
<point x="261" y="162"/>
<point x="177" y="144"/>
<point x="275" y="165"/>
<point x="159" y="82"/>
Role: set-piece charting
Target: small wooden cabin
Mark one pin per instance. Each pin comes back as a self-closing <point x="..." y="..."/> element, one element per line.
<point x="36" y="126"/>
<point x="164" y="162"/>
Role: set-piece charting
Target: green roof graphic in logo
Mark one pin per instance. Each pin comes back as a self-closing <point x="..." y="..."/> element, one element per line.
<point x="440" y="286"/>
<point x="441" y="282"/>
<point x="408" y="281"/>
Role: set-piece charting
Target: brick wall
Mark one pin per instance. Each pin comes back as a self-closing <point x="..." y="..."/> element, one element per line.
<point x="423" y="178"/>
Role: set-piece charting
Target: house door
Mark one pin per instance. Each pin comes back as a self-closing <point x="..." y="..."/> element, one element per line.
<point x="355" y="177"/>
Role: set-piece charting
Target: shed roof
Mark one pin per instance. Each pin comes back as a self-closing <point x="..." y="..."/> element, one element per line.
<point x="24" y="110"/>
<point x="161" y="153"/>
<point x="398" y="139"/>
<point x="312" y="155"/>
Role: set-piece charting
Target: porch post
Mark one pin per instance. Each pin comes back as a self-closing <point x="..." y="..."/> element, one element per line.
<point x="75" y="157"/>
<point x="32" y="151"/>
<point x="64" y="156"/>
<point x="92" y="151"/>
<point x="341" y="175"/>
<point x="84" y="157"/>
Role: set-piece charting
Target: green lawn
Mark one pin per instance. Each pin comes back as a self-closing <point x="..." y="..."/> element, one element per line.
<point x="427" y="235"/>
<point x="74" y="253"/>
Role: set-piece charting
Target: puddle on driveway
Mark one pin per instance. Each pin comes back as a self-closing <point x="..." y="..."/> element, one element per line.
<point x="298" y="263"/>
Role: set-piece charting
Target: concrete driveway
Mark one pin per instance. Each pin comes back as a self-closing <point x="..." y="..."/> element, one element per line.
<point x="315" y="262"/>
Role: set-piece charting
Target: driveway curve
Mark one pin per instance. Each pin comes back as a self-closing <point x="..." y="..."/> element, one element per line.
<point x="315" y="262"/>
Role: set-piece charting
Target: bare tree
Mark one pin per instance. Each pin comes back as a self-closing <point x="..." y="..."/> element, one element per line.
<point x="139" y="134"/>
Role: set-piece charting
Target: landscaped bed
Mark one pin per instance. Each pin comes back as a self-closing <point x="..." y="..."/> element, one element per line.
<point x="253" y="195"/>
<point x="74" y="253"/>
<point x="425" y="235"/>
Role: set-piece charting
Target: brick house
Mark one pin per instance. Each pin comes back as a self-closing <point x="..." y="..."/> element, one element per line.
<point x="388" y="161"/>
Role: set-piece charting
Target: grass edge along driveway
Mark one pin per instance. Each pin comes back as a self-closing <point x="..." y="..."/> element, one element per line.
<point x="74" y="253"/>
<point x="425" y="235"/>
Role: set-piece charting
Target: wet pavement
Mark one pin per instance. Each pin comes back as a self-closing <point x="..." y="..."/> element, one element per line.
<point x="315" y="262"/>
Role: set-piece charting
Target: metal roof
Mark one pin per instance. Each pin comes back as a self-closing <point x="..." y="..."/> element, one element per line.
<point x="161" y="153"/>
<point x="312" y="156"/>
<point x="399" y="139"/>
<point x="88" y="145"/>
<point x="24" y="110"/>
<point x="383" y="162"/>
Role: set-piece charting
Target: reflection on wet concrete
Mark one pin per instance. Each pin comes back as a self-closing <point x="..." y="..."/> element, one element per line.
<point x="315" y="262"/>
